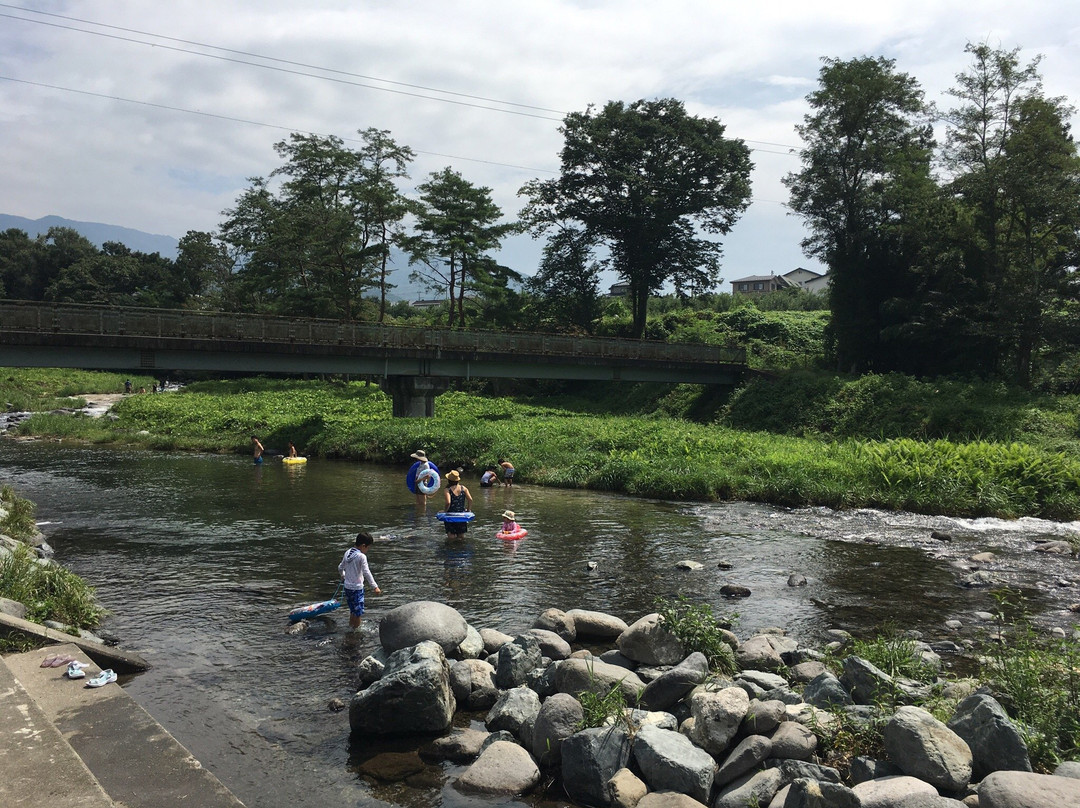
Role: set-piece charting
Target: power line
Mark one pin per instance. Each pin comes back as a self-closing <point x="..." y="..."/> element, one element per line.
<point x="288" y="70"/>
<point x="312" y="67"/>
<point x="253" y="123"/>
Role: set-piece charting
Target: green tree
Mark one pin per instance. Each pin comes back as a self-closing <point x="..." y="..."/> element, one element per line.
<point x="643" y="181"/>
<point x="566" y="284"/>
<point x="457" y="225"/>
<point x="1016" y="176"/>
<point x="203" y="270"/>
<point x="863" y="192"/>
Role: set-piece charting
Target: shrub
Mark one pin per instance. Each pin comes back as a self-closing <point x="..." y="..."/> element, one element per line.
<point x="697" y="627"/>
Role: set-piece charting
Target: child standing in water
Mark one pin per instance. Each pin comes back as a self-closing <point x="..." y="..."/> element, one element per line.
<point x="355" y="571"/>
<point x="508" y="472"/>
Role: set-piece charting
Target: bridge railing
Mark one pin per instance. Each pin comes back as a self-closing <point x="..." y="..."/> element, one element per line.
<point x="88" y="319"/>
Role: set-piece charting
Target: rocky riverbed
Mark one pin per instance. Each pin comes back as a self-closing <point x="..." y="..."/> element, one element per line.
<point x="769" y="734"/>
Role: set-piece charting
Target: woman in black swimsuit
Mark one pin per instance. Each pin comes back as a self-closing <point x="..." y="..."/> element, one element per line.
<point x="458" y="500"/>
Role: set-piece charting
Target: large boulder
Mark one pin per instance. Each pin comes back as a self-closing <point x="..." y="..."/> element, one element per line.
<point x="793" y="741"/>
<point x="576" y="675"/>
<point x="626" y="789"/>
<point x="717" y="717"/>
<point x="886" y="792"/>
<point x="558" y="719"/>
<point x="754" y="789"/>
<point x="469" y="675"/>
<point x="420" y="621"/>
<point x="808" y="793"/>
<point x="595" y="625"/>
<point x="669" y="687"/>
<point x="590" y="759"/>
<point x="647" y="641"/>
<point x="923" y="747"/>
<point x="472" y="647"/>
<point x="1027" y="790"/>
<point x="503" y="769"/>
<point x="516" y="659"/>
<point x="669" y="761"/>
<point x="515" y="710"/>
<point x="558" y="621"/>
<point x="744" y="757"/>
<point x="826" y="691"/>
<point x="765" y="652"/>
<point x="493" y="640"/>
<point x="412" y="696"/>
<point x="995" y="742"/>
<point x="551" y="644"/>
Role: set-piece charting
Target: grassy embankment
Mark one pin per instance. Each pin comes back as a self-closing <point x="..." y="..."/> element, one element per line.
<point x="926" y="457"/>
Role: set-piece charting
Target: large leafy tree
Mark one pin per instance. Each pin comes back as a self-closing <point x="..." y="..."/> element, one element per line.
<point x="203" y="270"/>
<point x="318" y="243"/>
<point x="646" y="181"/>
<point x="566" y="284"/>
<point x="457" y="226"/>
<point x="1016" y="177"/>
<point x="863" y="191"/>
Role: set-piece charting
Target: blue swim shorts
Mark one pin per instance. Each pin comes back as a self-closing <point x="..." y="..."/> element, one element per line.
<point x="355" y="598"/>
<point x="508" y="474"/>
<point x="258" y="460"/>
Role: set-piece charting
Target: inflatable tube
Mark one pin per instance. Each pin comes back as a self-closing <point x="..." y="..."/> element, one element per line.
<point x="427" y="481"/>
<point x="464" y="516"/>
<point x="410" y="475"/>
<point x="313" y="610"/>
<point x="293" y="460"/>
<point x="513" y="535"/>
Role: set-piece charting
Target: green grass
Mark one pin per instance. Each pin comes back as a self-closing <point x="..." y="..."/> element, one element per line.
<point x="697" y="627"/>
<point x="37" y="389"/>
<point x="18" y="520"/>
<point x="48" y="591"/>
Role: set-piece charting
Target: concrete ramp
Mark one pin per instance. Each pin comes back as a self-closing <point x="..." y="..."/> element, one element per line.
<point x="137" y="763"/>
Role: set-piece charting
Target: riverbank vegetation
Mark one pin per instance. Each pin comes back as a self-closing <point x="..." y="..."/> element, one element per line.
<point x="47" y="590"/>
<point x="949" y="469"/>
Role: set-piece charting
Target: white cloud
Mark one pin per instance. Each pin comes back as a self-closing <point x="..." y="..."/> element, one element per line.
<point x="167" y="171"/>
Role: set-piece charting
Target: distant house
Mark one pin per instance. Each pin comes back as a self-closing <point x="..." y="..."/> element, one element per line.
<point x="428" y="304"/>
<point x="619" y="290"/>
<point x="799" y="278"/>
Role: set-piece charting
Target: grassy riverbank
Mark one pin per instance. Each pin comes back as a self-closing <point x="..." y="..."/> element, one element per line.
<point x="556" y="445"/>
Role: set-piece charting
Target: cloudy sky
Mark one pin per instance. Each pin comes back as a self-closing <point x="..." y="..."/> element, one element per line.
<point x="153" y="115"/>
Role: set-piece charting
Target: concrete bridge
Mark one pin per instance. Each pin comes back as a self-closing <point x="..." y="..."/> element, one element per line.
<point x="413" y="365"/>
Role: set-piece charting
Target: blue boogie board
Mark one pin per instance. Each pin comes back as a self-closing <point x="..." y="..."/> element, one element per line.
<point x="410" y="475"/>
<point x="313" y="610"/>
<point x="464" y="516"/>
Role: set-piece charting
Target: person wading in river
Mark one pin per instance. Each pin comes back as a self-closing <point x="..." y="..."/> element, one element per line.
<point x="257" y="448"/>
<point x="355" y="572"/>
<point x="458" y="500"/>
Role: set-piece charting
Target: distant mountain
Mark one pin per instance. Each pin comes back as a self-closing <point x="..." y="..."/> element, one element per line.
<point x="96" y="232"/>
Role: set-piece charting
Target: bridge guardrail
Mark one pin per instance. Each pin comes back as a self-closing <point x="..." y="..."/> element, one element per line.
<point x="78" y="318"/>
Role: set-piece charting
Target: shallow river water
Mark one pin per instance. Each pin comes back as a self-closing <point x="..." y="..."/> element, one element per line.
<point x="200" y="557"/>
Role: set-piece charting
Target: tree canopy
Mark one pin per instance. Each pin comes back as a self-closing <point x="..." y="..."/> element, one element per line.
<point x="644" y="181"/>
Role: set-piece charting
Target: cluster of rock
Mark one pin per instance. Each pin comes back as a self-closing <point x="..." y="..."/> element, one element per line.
<point x="692" y="738"/>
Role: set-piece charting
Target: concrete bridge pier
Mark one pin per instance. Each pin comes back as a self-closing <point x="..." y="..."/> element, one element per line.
<point x="413" y="396"/>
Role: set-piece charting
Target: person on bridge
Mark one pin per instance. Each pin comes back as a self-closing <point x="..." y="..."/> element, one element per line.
<point x="458" y="500"/>
<point x="508" y="472"/>
<point x="257" y="449"/>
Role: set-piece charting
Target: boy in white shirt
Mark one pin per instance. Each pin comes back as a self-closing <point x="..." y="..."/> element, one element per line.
<point x="354" y="572"/>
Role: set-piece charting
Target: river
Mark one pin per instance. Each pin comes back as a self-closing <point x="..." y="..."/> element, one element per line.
<point x="200" y="557"/>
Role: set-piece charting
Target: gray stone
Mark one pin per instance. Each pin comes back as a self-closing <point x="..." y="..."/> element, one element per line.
<point x="762" y="680"/>
<point x="806" y="671"/>
<point x="558" y="621"/>
<point x="744" y="757"/>
<point x="760" y="652"/>
<point x="862" y="768"/>
<point x="475" y="673"/>
<point x="460" y="681"/>
<point x="460" y="746"/>
<point x="551" y="644"/>
<point x="472" y="647"/>
<point x="806" y="793"/>
<point x="689" y="566"/>
<point x="626" y="789"/>
<point x="792" y="770"/>
<point x="557" y="719"/>
<point x="13" y="608"/>
<point x="670" y="687"/>
<point x="826" y="692"/>
<point x="647" y="641"/>
<point x="614" y="656"/>
<point x="887" y="792"/>
<point x="1027" y="790"/>
<point x="493" y="640"/>
<point x="542" y="680"/>
<point x="796" y="579"/>
<point x="763" y="717"/>
<point x="669" y="799"/>
<point x="717" y="717"/>
<point x="483" y="698"/>
<point x="668" y="761"/>
<point x="753" y="789"/>
<point x="656" y="718"/>
<point x="576" y="675"/>
<point x="498" y="735"/>
<point x="420" y="621"/>
<point x="794" y="741"/>
<point x="596" y="625"/>
<point x="1070" y="768"/>
<point x="1056" y="547"/>
<point x="369" y="670"/>
<point x="516" y="659"/>
<point x="514" y="709"/>
<point x="735" y="591"/>
<point x="994" y="740"/>
<point x="412" y="696"/>
<point x="590" y="759"/>
<point x="503" y="769"/>
<point x="923" y="747"/>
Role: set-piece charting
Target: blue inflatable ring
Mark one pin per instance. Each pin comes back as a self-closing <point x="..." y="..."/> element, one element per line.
<point x="427" y="481"/>
<point x="463" y="516"/>
<point x="410" y="476"/>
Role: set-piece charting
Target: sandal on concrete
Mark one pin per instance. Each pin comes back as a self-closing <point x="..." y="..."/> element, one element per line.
<point x="102" y="679"/>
